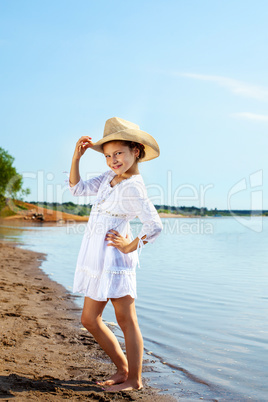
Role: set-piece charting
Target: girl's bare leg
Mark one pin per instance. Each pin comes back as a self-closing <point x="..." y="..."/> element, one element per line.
<point x="127" y="319"/>
<point x="92" y="321"/>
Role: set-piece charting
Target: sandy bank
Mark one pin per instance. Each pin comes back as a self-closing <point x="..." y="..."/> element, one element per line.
<point x="32" y="212"/>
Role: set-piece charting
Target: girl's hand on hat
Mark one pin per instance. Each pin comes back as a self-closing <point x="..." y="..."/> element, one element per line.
<point x="81" y="146"/>
<point x="118" y="241"/>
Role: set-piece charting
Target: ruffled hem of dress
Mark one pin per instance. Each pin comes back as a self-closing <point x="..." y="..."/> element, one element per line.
<point x="134" y="296"/>
<point x="110" y="284"/>
<point x="103" y="298"/>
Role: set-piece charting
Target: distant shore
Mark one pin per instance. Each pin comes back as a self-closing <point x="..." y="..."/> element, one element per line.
<point x="46" y="355"/>
<point x="67" y="218"/>
<point x="34" y="213"/>
<point x="19" y="210"/>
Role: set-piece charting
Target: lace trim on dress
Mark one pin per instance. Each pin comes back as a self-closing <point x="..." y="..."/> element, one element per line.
<point x="87" y="271"/>
<point x="109" y="271"/>
<point x="124" y="272"/>
<point x="121" y="216"/>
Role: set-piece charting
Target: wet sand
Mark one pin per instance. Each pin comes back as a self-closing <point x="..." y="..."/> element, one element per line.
<point x="46" y="355"/>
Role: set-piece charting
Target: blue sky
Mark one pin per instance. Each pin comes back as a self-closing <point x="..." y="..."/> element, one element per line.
<point x="191" y="73"/>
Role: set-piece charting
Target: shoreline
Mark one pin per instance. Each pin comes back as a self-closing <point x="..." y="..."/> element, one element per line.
<point x="46" y="353"/>
<point x="68" y="218"/>
<point x="32" y="213"/>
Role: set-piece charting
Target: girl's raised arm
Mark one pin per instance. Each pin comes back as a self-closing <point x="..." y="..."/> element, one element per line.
<point x="80" y="148"/>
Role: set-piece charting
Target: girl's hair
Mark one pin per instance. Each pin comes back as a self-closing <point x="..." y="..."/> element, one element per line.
<point x="132" y="145"/>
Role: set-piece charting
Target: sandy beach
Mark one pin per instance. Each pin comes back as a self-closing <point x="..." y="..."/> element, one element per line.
<point x="46" y="355"/>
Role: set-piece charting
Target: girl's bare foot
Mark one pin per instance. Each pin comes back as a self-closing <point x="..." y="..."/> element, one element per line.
<point x="117" y="378"/>
<point x="125" y="386"/>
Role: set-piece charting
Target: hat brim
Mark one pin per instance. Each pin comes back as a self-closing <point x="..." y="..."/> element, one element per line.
<point x="151" y="147"/>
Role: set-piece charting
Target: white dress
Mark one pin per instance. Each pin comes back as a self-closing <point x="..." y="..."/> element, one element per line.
<point x="102" y="271"/>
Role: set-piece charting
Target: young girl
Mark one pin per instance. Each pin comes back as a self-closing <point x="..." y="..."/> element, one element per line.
<point x="106" y="265"/>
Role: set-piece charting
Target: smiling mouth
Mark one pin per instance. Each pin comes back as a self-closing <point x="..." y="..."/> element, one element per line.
<point x="116" y="166"/>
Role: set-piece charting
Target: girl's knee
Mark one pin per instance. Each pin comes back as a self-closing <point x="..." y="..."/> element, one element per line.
<point x="126" y="322"/>
<point x="90" y="323"/>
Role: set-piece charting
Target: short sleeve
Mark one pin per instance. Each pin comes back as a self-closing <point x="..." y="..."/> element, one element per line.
<point x="87" y="187"/>
<point x="143" y="208"/>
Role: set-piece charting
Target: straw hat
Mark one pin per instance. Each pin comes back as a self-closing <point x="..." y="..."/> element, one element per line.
<point x="119" y="129"/>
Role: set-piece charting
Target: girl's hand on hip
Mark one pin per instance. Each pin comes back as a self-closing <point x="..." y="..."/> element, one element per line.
<point x="118" y="241"/>
<point x="81" y="146"/>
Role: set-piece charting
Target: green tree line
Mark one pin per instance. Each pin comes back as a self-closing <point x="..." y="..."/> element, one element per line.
<point x="11" y="181"/>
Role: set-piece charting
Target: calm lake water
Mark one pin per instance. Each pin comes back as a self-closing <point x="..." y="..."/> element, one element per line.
<point x="202" y="302"/>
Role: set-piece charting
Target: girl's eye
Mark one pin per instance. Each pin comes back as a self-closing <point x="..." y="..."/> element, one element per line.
<point x="117" y="153"/>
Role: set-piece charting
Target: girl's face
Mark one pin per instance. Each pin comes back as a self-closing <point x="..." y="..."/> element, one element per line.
<point x="120" y="158"/>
